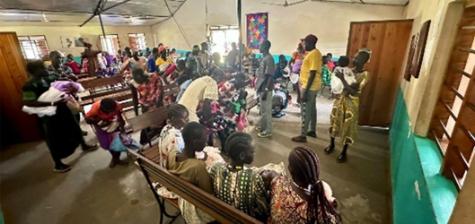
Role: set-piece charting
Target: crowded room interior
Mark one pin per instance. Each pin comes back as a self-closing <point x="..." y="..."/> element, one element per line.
<point x="237" y="111"/>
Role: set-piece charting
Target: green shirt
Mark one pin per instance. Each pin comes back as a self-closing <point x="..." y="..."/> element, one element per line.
<point x="194" y="171"/>
<point x="242" y="188"/>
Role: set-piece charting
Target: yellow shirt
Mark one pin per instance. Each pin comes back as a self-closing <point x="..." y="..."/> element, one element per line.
<point x="159" y="61"/>
<point x="311" y="62"/>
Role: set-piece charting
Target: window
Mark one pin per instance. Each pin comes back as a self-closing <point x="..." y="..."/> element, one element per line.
<point x="453" y="122"/>
<point x="137" y="41"/>
<point x="222" y="37"/>
<point x="110" y="43"/>
<point x="33" y="47"/>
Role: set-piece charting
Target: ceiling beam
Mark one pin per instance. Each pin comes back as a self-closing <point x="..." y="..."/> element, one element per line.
<point x="361" y="2"/>
<point x="74" y="12"/>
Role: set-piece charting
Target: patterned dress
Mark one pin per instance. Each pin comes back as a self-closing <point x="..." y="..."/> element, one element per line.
<point x="242" y="188"/>
<point x="150" y="93"/>
<point x="170" y="142"/>
<point x="344" y="116"/>
<point x="288" y="207"/>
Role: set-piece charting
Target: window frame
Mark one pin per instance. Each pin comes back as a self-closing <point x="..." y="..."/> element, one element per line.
<point x="114" y="51"/>
<point x="136" y="35"/>
<point x="40" y="53"/>
<point x="453" y="121"/>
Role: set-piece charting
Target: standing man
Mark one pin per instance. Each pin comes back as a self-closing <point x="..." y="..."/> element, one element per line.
<point x="193" y="63"/>
<point x="264" y="87"/>
<point x="232" y="56"/>
<point x="310" y="82"/>
<point x="204" y="56"/>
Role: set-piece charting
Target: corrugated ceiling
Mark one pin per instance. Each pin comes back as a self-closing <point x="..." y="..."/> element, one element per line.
<point x="134" y="12"/>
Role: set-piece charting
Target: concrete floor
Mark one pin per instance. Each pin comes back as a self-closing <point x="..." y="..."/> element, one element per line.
<point x="92" y="193"/>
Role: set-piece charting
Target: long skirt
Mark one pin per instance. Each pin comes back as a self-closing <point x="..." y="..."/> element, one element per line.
<point x="62" y="133"/>
<point x="105" y="138"/>
<point x="344" y="118"/>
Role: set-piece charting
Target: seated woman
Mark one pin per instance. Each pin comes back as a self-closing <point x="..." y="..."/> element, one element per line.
<point x="171" y="140"/>
<point x="303" y="198"/>
<point x="237" y="185"/>
<point x="106" y="117"/>
<point x="193" y="170"/>
<point x="73" y="65"/>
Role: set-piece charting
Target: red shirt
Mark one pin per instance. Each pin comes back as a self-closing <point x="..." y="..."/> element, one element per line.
<point x="96" y="112"/>
<point x="74" y="66"/>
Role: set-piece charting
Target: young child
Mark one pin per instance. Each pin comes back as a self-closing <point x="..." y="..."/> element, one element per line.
<point x="336" y="83"/>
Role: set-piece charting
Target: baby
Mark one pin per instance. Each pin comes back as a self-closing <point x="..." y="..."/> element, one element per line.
<point x="58" y="91"/>
<point x="342" y="68"/>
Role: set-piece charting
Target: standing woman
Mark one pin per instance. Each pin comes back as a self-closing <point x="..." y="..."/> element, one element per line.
<point x="344" y="116"/>
<point x="61" y="131"/>
<point x="294" y="64"/>
<point x="304" y="198"/>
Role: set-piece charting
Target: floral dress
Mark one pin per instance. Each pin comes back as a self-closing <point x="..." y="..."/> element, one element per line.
<point x="345" y="112"/>
<point x="288" y="207"/>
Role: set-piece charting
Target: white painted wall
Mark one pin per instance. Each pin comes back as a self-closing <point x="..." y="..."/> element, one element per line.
<point x="53" y="34"/>
<point x="328" y="20"/>
<point x="421" y="94"/>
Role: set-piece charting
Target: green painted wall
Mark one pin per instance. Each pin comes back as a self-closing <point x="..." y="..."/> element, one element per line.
<point x="420" y="193"/>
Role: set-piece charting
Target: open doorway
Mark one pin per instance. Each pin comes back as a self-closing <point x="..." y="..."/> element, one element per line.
<point x="221" y="38"/>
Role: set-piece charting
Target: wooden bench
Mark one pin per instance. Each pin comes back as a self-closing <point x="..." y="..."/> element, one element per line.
<point x="221" y="211"/>
<point x="148" y="162"/>
<point x="154" y="118"/>
<point x="111" y="87"/>
<point x="83" y="75"/>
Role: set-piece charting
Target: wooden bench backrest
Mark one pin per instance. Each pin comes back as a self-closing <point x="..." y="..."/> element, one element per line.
<point x="153" y="118"/>
<point x="218" y="209"/>
<point x="99" y="82"/>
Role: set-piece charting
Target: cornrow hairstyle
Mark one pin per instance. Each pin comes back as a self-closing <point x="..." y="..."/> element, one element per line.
<point x="305" y="168"/>
<point x="236" y="143"/>
<point x="176" y="110"/>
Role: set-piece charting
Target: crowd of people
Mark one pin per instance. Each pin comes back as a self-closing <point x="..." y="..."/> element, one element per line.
<point x="207" y="119"/>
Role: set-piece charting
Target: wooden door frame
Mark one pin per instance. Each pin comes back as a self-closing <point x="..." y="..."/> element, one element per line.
<point x="357" y="30"/>
<point x="369" y="21"/>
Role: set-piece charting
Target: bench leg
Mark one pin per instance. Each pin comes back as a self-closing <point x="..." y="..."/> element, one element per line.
<point x="161" y="202"/>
